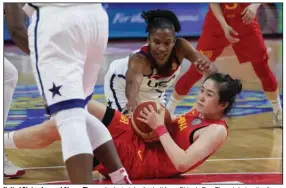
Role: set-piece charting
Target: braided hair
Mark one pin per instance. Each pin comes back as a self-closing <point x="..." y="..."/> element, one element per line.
<point x="163" y="19"/>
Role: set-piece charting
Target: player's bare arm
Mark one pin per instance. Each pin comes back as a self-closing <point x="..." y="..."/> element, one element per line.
<point x="208" y="141"/>
<point x="228" y="31"/>
<point x="16" y="23"/>
<point x="215" y="7"/>
<point x="134" y="76"/>
<point x="202" y="63"/>
<point x="96" y="109"/>
<point x="249" y="13"/>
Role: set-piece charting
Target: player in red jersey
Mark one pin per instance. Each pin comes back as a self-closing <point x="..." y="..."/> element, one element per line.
<point x="233" y="24"/>
<point x="193" y="137"/>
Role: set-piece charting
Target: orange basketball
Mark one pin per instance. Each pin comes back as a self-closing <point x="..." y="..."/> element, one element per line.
<point x="143" y="130"/>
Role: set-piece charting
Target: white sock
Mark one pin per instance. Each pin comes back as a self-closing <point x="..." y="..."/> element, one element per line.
<point x="10" y="82"/>
<point x="120" y="176"/>
<point x="276" y="104"/>
<point x="172" y="104"/>
<point x="9" y="140"/>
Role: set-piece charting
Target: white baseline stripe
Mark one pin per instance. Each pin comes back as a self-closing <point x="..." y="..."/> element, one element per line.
<point x="210" y="160"/>
<point x="197" y="174"/>
<point x="244" y="159"/>
<point x="226" y="173"/>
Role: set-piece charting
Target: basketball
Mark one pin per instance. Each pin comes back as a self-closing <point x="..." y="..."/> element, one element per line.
<point x="143" y="130"/>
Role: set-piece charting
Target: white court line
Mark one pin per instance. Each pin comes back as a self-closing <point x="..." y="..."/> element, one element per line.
<point x="210" y="160"/>
<point x="54" y="182"/>
<point x="197" y="174"/>
<point x="244" y="159"/>
<point x="226" y="173"/>
<point x="43" y="167"/>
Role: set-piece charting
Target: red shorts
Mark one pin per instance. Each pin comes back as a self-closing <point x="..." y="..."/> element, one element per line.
<point x="250" y="48"/>
<point x="139" y="159"/>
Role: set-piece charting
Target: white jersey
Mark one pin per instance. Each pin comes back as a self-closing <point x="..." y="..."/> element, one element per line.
<point x="153" y="86"/>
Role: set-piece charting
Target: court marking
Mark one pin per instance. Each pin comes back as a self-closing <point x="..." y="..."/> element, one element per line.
<point x="227" y="173"/>
<point x="210" y="160"/>
<point x="245" y="159"/>
<point x="190" y="174"/>
<point x="27" y="108"/>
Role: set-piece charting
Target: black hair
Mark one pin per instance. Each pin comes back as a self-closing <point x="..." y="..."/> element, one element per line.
<point x="228" y="88"/>
<point x="161" y="19"/>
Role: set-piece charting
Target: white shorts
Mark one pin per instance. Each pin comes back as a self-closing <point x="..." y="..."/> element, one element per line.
<point x="67" y="45"/>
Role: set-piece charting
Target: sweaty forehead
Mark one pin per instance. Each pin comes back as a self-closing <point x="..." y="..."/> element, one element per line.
<point x="162" y="34"/>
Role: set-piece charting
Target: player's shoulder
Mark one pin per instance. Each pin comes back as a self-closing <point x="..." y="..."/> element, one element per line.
<point x="218" y="129"/>
<point x="182" y="45"/>
<point x="138" y="60"/>
<point x="181" y="41"/>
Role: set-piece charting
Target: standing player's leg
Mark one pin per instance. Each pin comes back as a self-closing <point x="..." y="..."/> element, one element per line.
<point x="58" y="55"/>
<point x="100" y="138"/>
<point x="270" y="87"/>
<point x="10" y="82"/>
<point x="211" y="46"/>
<point x="252" y="48"/>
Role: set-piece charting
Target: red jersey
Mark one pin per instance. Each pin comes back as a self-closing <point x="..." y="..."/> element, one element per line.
<point x="232" y="14"/>
<point x="250" y="48"/>
<point x="149" y="160"/>
<point x="229" y="10"/>
<point x="233" y="10"/>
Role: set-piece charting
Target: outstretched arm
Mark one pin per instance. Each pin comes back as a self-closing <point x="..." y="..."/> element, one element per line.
<point x="201" y="62"/>
<point x="134" y="77"/>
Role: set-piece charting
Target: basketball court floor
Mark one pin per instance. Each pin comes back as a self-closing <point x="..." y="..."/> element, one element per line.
<point x="251" y="155"/>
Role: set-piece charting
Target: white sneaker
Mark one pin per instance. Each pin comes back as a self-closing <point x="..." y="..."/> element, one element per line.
<point x="277" y="118"/>
<point x="10" y="170"/>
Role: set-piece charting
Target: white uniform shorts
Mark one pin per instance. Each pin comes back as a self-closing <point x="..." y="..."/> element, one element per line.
<point x="67" y="45"/>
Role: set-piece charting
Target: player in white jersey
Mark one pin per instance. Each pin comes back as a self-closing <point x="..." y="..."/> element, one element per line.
<point x="11" y="74"/>
<point x="152" y="87"/>
<point x="66" y="46"/>
<point x="147" y="73"/>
